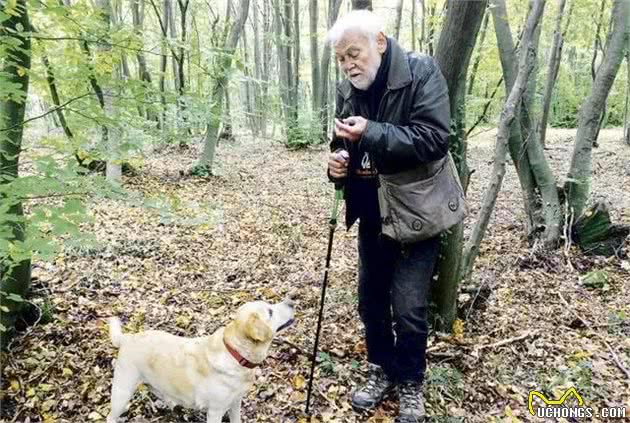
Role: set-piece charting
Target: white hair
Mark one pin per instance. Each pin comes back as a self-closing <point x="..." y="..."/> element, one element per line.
<point x="362" y="21"/>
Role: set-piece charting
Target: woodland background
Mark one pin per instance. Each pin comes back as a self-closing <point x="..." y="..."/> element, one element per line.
<point x="164" y="161"/>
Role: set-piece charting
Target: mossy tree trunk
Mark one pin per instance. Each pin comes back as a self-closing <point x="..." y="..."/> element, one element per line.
<point x="15" y="275"/>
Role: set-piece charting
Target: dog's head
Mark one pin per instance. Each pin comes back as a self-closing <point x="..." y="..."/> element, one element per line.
<point x="256" y="324"/>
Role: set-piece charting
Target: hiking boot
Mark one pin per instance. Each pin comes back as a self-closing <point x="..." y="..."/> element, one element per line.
<point x="411" y="403"/>
<point x="375" y="389"/>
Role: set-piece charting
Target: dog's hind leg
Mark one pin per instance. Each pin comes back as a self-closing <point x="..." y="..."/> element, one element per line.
<point x="126" y="379"/>
<point x="235" y="411"/>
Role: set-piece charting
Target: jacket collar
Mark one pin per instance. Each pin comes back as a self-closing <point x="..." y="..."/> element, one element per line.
<point x="399" y="75"/>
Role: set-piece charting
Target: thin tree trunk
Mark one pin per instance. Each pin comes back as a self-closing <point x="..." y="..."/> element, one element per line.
<point x="113" y="170"/>
<point x="414" y="28"/>
<point x="226" y="130"/>
<point x="361" y="4"/>
<point x="137" y="12"/>
<point x="296" y="56"/>
<point x="259" y="47"/>
<point x="15" y="277"/>
<point x="288" y="62"/>
<point x="266" y="63"/>
<point x="313" y="8"/>
<point x="422" y="26"/>
<point x="226" y="124"/>
<point x="54" y="95"/>
<point x="248" y="84"/>
<point x="163" y="22"/>
<point x="455" y="47"/>
<point x="552" y="73"/>
<point x="431" y="30"/>
<point x="626" y="124"/>
<point x="597" y="45"/>
<point x="333" y="12"/>
<point x="171" y="14"/>
<point x="482" y="38"/>
<point x="543" y="175"/>
<point x="399" y="9"/>
<point x="281" y="54"/>
<point x="219" y="86"/>
<point x="578" y="186"/>
<point x="507" y="55"/>
<point x="508" y="116"/>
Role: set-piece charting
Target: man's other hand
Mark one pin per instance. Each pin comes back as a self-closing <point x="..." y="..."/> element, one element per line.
<point x="351" y="128"/>
<point x="338" y="164"/>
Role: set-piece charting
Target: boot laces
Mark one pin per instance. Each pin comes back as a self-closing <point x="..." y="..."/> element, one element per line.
<point x="377" y="381"/>
<point x="410" y="396"/>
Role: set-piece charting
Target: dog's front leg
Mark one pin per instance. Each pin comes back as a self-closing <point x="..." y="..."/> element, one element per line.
<point x="235" y="411"/>
<point x="213" y="416"/>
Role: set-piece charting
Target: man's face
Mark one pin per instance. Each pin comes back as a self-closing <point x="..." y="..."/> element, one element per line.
<point x="359" y="58"/>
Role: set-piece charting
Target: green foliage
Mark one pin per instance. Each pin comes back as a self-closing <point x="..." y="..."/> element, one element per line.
<point x="444" y="382"/>
<point x="303" y="133"/>
<point x="574" y="79"/>
<point x="326" y="363"/>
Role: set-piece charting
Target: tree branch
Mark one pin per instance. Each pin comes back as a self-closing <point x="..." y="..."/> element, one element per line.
<point x="53" y="110"/>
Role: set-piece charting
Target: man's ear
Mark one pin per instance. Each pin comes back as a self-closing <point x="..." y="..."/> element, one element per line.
<point x="256" y="329"/>
<point x="381" y="42"/>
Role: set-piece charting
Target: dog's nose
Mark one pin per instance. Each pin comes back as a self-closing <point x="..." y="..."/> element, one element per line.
<point x="288" y="301"/>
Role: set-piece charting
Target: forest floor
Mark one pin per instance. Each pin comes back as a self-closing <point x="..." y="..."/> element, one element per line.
<point x="267" y="233"/>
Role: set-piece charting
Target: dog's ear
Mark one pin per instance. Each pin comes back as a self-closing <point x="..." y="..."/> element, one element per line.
<point x="256" y="329"/>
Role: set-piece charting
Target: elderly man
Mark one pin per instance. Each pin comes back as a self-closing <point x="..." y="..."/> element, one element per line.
<point x="392" y="118"/>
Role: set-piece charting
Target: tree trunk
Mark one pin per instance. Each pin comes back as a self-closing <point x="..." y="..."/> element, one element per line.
<point x="333" y="12"/>
<point x="54" y="95"/>
<point x="15" y="277"/>
<point x="578" y="184"/>
<point x="423" y="11"/>
<point x="259" y="90"/>
<point x="296" y="57"/>
<point x="173" y="34"/>
<point x="552" y="73"/>
<point x="507" y="55"/>
<point x="482" y="38"/>
<point x="226" y="130"/>
<point x="163" y="22"/>
<point x="509" y="114"/>
<point x="543" y="175"/>
<point x="137" y="12"/>
<point x="113" y="170"/>
<point x="219" y="85"/>
<point x="361" y="4"/>
<point x="315" y="74"/>
<point x="248" y="83"/>
<point x="288" y="49"/>
<point x="455" y="48"/>
<point x="414" y="29"/>
<point x="266" y="63"/>
<point x="597" y="45"/>
<point x="399" y="9"/>
<point x="281" y="50"/>
<point x="626" y="124"/>
<point x="431" y="29"/>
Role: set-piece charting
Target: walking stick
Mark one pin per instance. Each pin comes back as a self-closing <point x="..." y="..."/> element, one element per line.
<point x="333" y="225"/>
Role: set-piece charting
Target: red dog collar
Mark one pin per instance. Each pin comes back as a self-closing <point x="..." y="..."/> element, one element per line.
<point x="238" y="357"/>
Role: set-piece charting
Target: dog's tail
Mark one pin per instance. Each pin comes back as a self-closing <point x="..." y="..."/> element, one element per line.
<point x="115" y="331"/>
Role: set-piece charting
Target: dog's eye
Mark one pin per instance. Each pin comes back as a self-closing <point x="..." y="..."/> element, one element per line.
<point x="270" y="312"/>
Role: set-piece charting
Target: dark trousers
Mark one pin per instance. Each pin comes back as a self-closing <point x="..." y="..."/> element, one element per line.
<point x="393" y="289"/>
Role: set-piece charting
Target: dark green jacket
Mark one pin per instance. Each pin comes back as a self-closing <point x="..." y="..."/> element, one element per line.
<point x="412" y="124"/>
